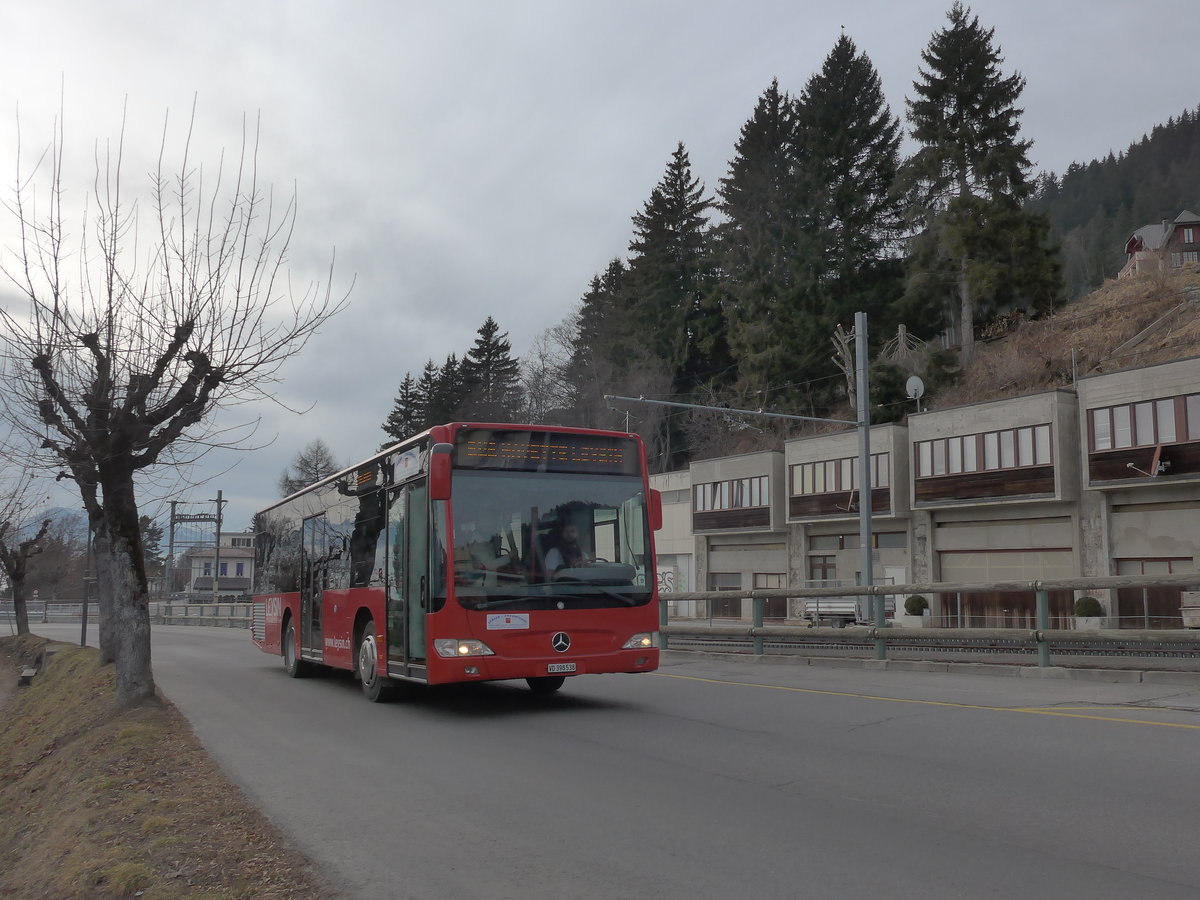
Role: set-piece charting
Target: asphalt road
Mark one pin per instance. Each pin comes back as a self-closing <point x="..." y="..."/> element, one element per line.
<point x="710" y="779"/>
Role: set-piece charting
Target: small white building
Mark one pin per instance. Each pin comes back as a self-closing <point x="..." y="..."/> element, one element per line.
<point x="234" y="568"/>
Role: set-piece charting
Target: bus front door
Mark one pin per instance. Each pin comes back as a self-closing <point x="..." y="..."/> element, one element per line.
<point x="408" y="566"/>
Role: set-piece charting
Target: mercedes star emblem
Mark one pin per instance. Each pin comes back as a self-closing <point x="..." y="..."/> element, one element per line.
<point x="561" y="642"/>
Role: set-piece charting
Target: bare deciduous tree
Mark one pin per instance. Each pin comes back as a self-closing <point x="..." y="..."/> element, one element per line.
<point x="549" y="395"/>
<point x="311" y="464"/>
<point x="20" y="539"/>
<point x="120" y="368"/>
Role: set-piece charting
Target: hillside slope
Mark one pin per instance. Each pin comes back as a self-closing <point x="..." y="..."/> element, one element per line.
<point x="1122" y="325"/>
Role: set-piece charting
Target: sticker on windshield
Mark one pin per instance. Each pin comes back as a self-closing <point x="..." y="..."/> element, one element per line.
<point x="502" y="621"/>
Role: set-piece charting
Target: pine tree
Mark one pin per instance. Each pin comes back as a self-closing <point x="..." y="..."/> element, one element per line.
<point x="152" y="535"/>
<point x="965" y="118"/>
<point x="408" y="411"/>
<point x="491" y="377"/>
<point x="969" y="177"/>
<point x="849" y="149"/>
<point x="600" y="346"/>
<point x="427" y="388"/>
<point x="671" y="277"/>
<point x="762" y="247"/>
<point x="448" y="395"/>
<point x="671" y="274"/>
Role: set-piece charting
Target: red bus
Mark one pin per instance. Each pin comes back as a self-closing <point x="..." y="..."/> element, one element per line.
<point x="471" y="552"/>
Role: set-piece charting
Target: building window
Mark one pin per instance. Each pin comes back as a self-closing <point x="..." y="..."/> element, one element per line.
<point x="1189" y="235"/>
<point x="822" y="568"/>
<point x="832" y="476"/>
<point x="879" y="539"/>
<point x="724" y="581"/>
<point x="241" y="570"/>
<point x="740" y="493"/>
<point x="766" y="581"/>
<point x="208" y="568"/>
<point x="1145" y="424"/>
<point x="1008" y="449"/>
<point x="224" y="569"/>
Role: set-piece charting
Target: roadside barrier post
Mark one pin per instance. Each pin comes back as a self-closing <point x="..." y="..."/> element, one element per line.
<point x="662" y="623"/>
<point x="757" y="604"/>
<point x="1043" y="623"/>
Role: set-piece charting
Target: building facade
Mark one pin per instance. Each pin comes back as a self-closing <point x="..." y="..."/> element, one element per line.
<point x="233" y="570"/>
<point x="1103" y="479"/>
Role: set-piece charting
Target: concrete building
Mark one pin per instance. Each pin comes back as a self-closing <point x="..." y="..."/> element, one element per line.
<point x="1139" y="434"/>
<point x="1100" y="480"/>
<point x="823" y="507"/>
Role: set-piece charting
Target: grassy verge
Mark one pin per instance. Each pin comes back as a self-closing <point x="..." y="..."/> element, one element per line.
<point x="100" y="804"/>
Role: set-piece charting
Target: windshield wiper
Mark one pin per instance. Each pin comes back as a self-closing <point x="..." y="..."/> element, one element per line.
<point x="624" y="598"/>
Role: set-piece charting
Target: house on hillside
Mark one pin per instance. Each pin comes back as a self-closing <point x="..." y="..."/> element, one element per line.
<point x="1155" y="248"/>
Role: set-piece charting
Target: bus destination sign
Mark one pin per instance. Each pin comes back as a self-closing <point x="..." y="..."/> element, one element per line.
<point x="543" y="451"/>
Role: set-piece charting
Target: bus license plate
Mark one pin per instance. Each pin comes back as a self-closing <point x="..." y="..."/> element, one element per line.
<point x="560" y="668"/>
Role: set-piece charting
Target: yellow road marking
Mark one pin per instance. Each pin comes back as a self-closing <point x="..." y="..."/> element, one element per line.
<point x="1056" y="712"/>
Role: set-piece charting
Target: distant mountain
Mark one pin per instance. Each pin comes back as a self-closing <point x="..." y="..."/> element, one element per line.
<point x="1094" y="208"/>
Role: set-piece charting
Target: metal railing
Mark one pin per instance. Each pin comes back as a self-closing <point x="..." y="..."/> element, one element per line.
<point x="230" y="615"/>
<point x="1037" y="634"/>
<point x="48" y="611"/>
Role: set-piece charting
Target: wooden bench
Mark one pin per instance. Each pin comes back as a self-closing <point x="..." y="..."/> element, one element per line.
<point x="26" y="676"/>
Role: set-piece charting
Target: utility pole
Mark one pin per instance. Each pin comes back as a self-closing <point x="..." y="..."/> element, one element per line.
<point x="217" y="556"/>
<point x="866" y="575"/>
<point x="169" y="573"/>
<point x="203" y="517"/>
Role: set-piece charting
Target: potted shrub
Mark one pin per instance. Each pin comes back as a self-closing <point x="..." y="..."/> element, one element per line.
<point x="915" y="608"/>
<point x="1089" y="614"/>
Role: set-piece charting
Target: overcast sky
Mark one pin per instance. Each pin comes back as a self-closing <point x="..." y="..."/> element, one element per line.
<point x="469" y="159"/>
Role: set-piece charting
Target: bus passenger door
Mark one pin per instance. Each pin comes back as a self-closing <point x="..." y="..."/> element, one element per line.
<point x="397" y="553"/>
<point x="417" y="586"/>
<point x="314" y="565"/>
<point x="408" y="566"/>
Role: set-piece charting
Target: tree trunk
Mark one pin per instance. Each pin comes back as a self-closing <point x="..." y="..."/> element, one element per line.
<point x="967" y="316"/>
<point x="129" y="596"/>
<point x="20" y="609"/>
<point x="103" y="566"/>
<point x="131" y="633"/>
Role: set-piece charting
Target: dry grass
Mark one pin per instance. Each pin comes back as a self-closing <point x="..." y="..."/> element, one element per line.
<point x="96" y="804"/>
<point x="1098" y="333"/>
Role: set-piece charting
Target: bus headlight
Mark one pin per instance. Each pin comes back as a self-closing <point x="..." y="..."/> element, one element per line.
<point x="452" y="647"/>
<point x="643" y="641"/>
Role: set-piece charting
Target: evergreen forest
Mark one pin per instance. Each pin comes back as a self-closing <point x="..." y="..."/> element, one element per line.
<point x="742" y="295"/>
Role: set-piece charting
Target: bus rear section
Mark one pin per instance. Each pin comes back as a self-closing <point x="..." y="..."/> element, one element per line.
<point x="470" y="553"/>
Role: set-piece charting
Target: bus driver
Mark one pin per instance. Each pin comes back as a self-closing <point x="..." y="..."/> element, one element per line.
<point x="566" y="554"/>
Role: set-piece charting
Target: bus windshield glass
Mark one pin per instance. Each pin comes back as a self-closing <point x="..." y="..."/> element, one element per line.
<point x="529" y="540"/>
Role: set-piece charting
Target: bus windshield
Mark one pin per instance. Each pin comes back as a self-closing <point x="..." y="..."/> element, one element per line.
<point x="528" y="540"/>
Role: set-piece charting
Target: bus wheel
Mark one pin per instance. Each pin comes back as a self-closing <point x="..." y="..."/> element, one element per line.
<point x="547" y="684"/>
<point x="292" y="663"/>
<point x="375" y="687"/>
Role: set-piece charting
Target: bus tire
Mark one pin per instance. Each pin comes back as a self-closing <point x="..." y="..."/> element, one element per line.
<point x="292" y="663"/>
<point x="547" y="684"/>
<point x="376" y="688"/>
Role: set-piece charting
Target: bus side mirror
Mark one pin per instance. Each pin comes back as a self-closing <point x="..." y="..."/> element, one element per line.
<point x="439" y="471"/>
<point x="656" y="513"/>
